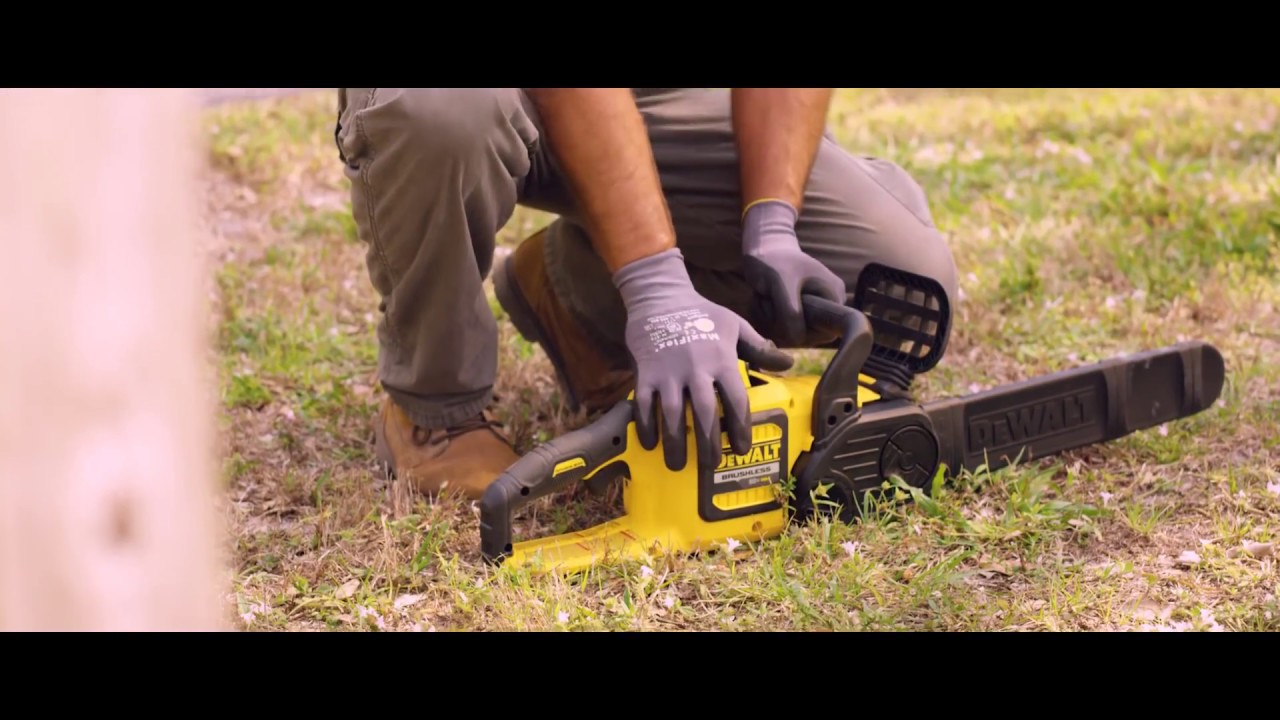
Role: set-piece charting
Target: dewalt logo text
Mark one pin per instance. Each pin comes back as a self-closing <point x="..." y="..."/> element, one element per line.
<point x="763" y="464"/>
<point x="1031" y="421"/>
<point x="763" y="453"/>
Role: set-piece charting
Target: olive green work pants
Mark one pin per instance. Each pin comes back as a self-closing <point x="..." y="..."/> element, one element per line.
<point x="437" y="172"/>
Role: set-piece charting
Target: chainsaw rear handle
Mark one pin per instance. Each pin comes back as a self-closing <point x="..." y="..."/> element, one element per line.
<point x="547" y="469"/>
<point x="835" y="400"/>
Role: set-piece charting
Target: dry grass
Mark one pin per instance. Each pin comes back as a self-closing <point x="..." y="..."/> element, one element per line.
<point x="1086" y="223"/>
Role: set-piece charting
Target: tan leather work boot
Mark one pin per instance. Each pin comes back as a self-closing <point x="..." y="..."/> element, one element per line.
<point x="464" y="459"/>
<point x="525" y="293"/>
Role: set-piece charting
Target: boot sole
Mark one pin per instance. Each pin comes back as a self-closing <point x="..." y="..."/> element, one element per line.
<point x="526" y="323"/>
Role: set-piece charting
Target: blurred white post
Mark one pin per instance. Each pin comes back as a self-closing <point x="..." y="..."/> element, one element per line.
<point x="107" y="519"/>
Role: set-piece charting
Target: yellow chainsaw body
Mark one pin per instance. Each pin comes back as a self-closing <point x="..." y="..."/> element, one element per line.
<point x="744" y="499"/>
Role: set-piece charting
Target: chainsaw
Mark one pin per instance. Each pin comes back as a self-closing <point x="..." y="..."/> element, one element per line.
<point x="822" y="443"/>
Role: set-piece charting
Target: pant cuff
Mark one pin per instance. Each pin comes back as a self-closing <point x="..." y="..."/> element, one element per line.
<point x="437" y="415"/>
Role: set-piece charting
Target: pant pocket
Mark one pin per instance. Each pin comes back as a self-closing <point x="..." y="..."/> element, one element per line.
<point x="346" y="134"/>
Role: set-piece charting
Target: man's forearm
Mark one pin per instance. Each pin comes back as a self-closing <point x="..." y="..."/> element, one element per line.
<point x="600" y="140"/>
<point x="778" y="131"/>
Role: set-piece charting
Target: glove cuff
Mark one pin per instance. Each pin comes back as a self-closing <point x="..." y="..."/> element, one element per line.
<point x="768" y="202"/>
<point x="767" y="222"/>
<point x="654" y="276"/>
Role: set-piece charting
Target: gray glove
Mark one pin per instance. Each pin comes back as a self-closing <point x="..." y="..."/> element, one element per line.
<point x="780" y="271"/>
<point x="683" y="343"/>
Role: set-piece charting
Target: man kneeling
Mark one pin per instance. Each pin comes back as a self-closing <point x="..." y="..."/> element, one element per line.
<point x="690" y="221"/>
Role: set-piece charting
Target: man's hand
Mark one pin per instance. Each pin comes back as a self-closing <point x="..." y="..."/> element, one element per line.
<point x="778" y="269"/>
<point x="684" y="343"/>
<point x="778" y="131"/>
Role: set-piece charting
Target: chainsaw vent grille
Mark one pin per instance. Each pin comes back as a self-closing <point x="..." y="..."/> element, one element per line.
<point x="909" y="313"/>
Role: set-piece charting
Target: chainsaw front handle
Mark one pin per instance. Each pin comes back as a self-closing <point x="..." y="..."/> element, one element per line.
<point x="547" y="469"/>
<point x="835" y="400"/>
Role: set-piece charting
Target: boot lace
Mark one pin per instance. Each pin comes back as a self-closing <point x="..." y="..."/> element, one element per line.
<point x="479" y="422"/>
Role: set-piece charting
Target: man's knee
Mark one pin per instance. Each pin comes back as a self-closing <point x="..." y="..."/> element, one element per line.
<point x="443" y="129"/>
<point x="869" y="221"/>
<point x="926" y="254"/>
<point x="860" y="211"/>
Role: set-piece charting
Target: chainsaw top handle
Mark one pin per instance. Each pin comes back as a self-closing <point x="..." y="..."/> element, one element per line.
<point x="835" y="400"/>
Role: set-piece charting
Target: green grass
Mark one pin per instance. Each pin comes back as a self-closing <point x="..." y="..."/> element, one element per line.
<point x="1086" y="223"/>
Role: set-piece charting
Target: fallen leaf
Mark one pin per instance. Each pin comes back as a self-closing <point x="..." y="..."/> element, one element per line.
<point x="990" y="564"/>
<point x="348" y="589"/>
<point x="405" y="601"/>
<point x="1149" y="609"/>
<point x="1258" y="550"/>
<point x="1189" y="557"/>
<point x="1206" y="617"/>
